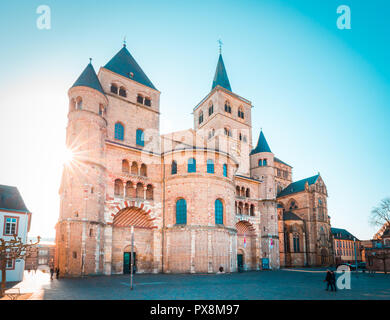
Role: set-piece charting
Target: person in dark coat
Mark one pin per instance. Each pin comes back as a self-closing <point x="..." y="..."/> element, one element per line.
<point x="333" y="281"/>
<point x="328" y="279"/>
<point x="57" y="273"/>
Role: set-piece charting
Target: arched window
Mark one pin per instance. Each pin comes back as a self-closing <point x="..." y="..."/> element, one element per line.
<point x="296" y="242"/>
<point x="174" y="167"/>
<point x="246" y="209"/>
<point x="211" y="110"/>
<point x="143" y="171"/>
<point x="227" y="132"/>
<point x="242" y="192"/>
<point x="140" y="190"/>
<point x="148" y="102"/>
<point x="114" y="88"/>
<point x="125" y="166"/>
<point x="140" y="99"/>
<point x="252" y="210"/>
<point x="238" y="191"/>
<point x="140" y="138"/>
<point x="228" y="108"/>
<point x="211" y="133"/>
<point x="118" y="187"/>
<point x="101" y="110"/>
<point x="134" y="168"/>
<point x="119" y="131"/>
<point x="225" y="170"/>
<point x="130" y="191"/>
<point x="200" y="117"/>
<point x="240" y="113"/>
<point x="79" y="103"/>
<point x="260" y="162"/>
<point x="244" y="139"/>
<point x="122" y="92"/>
<point x="191" y="167"/>
<point x="264" y="162"/>
<point x="210" y="166"/>
<point x="149" y="192"/>
<point x="181" y="211"/>
<point x="218" y="212"/>
<point x="247" y="193"/>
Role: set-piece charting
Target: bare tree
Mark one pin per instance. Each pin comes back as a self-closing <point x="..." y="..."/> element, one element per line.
<point x="11" y="250"/>
<point x="380" y="215"/>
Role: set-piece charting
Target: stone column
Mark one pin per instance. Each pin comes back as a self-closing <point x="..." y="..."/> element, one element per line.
<point x="192" y="267"/>
<point x="107" y="249"/>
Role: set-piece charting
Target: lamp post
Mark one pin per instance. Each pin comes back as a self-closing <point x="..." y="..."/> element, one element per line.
<point x="132" y="258"/>
<point x="354" y="245"/>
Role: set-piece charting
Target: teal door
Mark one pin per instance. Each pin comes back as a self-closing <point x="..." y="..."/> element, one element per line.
<point x="127" y="262"/>
<point x="240" y="262"/>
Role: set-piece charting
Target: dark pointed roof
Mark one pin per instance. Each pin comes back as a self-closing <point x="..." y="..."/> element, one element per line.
<point x="297" y="186"/>
<point x="124" y="64"/>
<point x="10" y="199"/>
<point x="262" y="145"/>
<point x="342" y="234"/>
<point x="220" y="77"/>
<point x="88" y="78"/>
<point x="290" y="216"/>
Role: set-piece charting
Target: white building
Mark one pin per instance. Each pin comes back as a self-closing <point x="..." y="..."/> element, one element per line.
<point x="15" y="218"/>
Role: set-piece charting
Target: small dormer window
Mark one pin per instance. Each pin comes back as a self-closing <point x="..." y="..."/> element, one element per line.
<point x="114" y="89"/>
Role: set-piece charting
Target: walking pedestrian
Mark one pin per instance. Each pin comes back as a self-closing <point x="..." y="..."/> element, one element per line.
<point x="57" y="273"/>
<point x="51" y="266"/>
<point x="328" y="279"/>
<point x="333" y="281"/>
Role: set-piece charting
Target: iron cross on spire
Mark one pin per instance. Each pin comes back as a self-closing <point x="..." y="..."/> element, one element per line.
<point x="220" y="45"/>
<point x="124" y="41"/>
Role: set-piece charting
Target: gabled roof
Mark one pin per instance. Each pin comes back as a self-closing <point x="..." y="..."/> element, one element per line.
<point x="220" y="77"/>
<point x="88" y="78"/>
<point x="124" y="64"/>
<point x="262" y="145"/>
<point x="290" y="216"/>
<point x="10" y="199"/>
<point x="342" y="234"/>
<point x="280" y="161"/>
<point x="297" y="186"/>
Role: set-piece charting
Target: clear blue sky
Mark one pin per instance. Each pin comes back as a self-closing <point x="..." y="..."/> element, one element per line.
<point x="320" y="94"/>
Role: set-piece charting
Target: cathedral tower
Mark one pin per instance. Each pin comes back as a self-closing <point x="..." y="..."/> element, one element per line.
<point x="224" y="118"/>
<point x="82" y="191"/>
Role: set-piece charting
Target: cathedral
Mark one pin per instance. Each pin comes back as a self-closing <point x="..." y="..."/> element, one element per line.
<point x="194" y="200"/>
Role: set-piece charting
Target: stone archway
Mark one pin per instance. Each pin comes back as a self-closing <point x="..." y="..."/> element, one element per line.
<point x="324" y="257"/>
<point x="246" y="245"/>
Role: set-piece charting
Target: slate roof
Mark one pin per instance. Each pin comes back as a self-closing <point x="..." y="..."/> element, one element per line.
<point x="88" y="78"/>
<point x="262" y="145"/>
<point x="10" y="199"/>
<point x="290" y="216"/>
<point x="342" y="234"/>
<point x="297" y="186"/>
<point x="220" y="77"/>
<point x="124" y="64"/>
<point x="278" y="160"/>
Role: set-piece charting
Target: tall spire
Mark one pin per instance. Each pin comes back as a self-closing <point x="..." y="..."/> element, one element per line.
<point x="220" y="77"/>
<point x="262" y="145"/>
<point x="88" y="78"/>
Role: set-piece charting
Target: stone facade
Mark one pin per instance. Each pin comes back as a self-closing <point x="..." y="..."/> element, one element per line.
<point x="197" y="199"/>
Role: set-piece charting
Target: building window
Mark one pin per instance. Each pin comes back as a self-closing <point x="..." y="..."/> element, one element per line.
<point x="114" y="89"/>
<point x="149" y="192"/>
<point x="11" y="226"/>
<point x="125" y="166"/>
<point x="148" y="102"/>
<point x="140" y="138"/>
<point x="227" y="132"/>
<point x="79" y="103"/>
<point x="211" y="133"/>
<point x="118" y="187"/>
<point x="140" y="99"/>
<point x="228" y="108"/>
<point x="174" y="167"/>
<point x="264" y="162"/>
<point x="210" y="166"/>
<point x="218" y="212"/>
<point x="200" y="117"/>
<point x="252" y="210"/>
<point x="119" y="131"/>
<point x="296" y="243"/>
<point x="211" y="110"/>
<point x="10" y="264"/>
<point x="191" y="165"/>
<point x="42" y="261"/>
<point x="240" y="113"/>
<point x="143" y="170"/>
<point x="74" y="255"/>
<point x="134" y="168"/>
<point x="225" y="170"/>
<point x="122" y="92"/>
<point x="260" y="162"/>
<point x="181" y="211"/>
<point x="247" y="193"/>
<point x="101" y="109"/>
